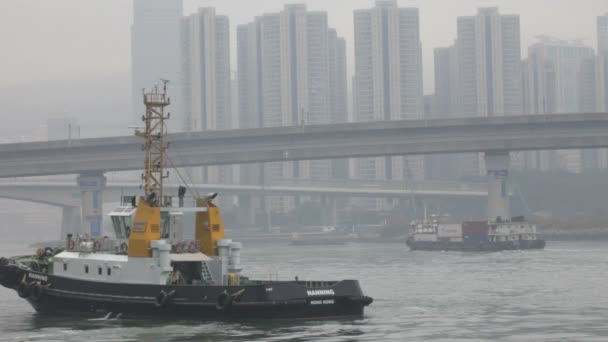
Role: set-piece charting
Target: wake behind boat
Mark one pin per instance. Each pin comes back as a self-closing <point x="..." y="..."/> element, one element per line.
<point x="148" y="269"/>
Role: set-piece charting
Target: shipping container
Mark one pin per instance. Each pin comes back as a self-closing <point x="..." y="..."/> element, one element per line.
<point x="475" y="228"/>
<point x="449" y="230"/>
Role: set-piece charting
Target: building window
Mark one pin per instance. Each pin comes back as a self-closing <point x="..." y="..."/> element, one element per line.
<point x="65" y="267"/>
<point x="99" y="271"/>
<point x="86" y="268"/>
<point x="109" y="271"/>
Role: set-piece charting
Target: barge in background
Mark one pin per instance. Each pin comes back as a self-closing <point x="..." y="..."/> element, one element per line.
<point x="474" y="236"/>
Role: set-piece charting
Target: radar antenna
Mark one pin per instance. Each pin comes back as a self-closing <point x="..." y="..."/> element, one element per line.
<point x="155" y="147"/>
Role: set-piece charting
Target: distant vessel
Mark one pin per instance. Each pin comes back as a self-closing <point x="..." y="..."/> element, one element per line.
<point x="474" y="236"/>
<point x="327" y="235"/>
<point x="318" y="240"/>
<point x="150" y="270"/>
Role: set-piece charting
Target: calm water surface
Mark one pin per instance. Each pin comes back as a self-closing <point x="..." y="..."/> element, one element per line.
<point x="558" y="294"/>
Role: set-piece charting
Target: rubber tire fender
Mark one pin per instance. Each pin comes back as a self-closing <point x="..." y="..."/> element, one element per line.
<point x="224" y="301"/>
<point x="23" y="289"/>
<point x="163" y="298"/>
<point x="36" y="291"/>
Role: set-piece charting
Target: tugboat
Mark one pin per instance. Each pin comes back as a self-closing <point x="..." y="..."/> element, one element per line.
<point x="474" y="236"/>
<point x="147" y="269"/>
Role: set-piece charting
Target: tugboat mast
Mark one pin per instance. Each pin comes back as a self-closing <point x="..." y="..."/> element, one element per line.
<point x="154" y="146"/>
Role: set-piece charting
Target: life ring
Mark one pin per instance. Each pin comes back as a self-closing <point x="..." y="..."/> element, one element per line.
<point x="97" y="246"/>
<point x="124" y="248"/>
<point x="23" y="289"/>
<point x="224" y="301"/>
<point x="36" y="291"/>
<point x="192" y="248"/>
<point x="163" y="298"/>
<point x="71" y="245"/>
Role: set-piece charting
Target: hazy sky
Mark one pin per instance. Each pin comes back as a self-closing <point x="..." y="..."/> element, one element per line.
<point x="49" y="39"/>
<point x="73" y="40"/>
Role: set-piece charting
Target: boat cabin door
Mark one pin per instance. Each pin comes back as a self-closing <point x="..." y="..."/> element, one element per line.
<point x="171" y="222"/>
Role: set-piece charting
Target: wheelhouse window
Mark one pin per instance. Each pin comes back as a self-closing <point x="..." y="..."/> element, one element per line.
<point x="99" y="271"/>
<point x="65" y="267"/>
<point x="121" y="221"/>
<point x="109" y="271"/>
<point x="86" y="268"/>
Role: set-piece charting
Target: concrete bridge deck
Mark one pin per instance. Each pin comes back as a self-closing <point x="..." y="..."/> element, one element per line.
<point x="387" y="138"/>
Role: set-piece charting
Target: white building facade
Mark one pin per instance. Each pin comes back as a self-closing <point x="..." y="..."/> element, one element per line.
<point x="387" y="84"/>
<point x="489" y="60"/>
<point x="206" y="80"/>
<point x="560" y="78"/>
<point x="602" y="64"/>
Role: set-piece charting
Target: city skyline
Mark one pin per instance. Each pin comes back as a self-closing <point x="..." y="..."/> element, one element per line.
<point x="58" y="103"/>
<point x="115" y="38"/>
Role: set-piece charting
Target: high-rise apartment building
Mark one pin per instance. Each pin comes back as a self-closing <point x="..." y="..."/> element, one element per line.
<point x="206" y="82"/>
<point x="602" y="64"/>
<point x="206" y="71"/>
<point x="601" y="72"/>
<point x="489" y="57"/>
<point x="291" y="71"/>
<point x="388" y="80"/>
<point x="446" y="82"/>
<point x="286" y="62"/>
<point x="338" y="90"/>
<point x="560" y="78"/>
<point x="155" y="46"/>
<point x="489" y="66"/>
<point x="447" y="105"/>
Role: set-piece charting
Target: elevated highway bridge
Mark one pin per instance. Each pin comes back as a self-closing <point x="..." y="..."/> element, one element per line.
<point x="494" y="136"/>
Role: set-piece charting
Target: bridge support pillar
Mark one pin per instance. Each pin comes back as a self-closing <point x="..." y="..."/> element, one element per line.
<point x="246" y="214"/>
<point x="497" y="166"/>
<point x="70" y="221"/>
<point x="91" y="188"/>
